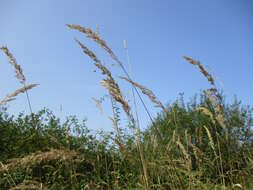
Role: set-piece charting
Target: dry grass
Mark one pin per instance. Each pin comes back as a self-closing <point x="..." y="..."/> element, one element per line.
<point x="210" y="140"/>
<point x="147" y="92"/>
<point x="187" y="148"/>
<point x="12" y="96"/>
<point x="208" y="113"/>
<point x="18" y="70"/>
<point x="20" y="76"/>
<point x="113" y="88"/>
<point x="201" y="68"/>
<point x="95" y="37"/>
<point x="109" y="83"/>
<point x="29" y="185"/>
<point x="37" y="158"/>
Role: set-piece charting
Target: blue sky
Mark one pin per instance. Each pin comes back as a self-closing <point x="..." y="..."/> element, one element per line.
<point x="158" y="34"/>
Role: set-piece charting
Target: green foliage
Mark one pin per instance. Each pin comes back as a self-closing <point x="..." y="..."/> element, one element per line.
<point x="179" y="155"/>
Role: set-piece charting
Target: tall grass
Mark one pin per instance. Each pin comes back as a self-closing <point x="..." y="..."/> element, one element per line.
<point x="206" y="144"/>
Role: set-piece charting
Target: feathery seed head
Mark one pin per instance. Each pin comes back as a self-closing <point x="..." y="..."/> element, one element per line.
<point x="18" y="70"/>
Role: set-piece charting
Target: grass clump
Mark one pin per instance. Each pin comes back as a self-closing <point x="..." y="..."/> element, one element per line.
<point x="205" y="143"/>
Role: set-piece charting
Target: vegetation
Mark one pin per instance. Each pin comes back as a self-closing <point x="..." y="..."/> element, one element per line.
<point x="203" y="144"/>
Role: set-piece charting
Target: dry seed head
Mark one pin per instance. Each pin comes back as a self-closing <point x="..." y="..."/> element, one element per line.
<point x="12" y="96"/>
<point x="87" y="51"/>
<point x="210" y="139"/>
<point x="92" y="35"/>
<point x="115" y="92"/>
<point x="221" y="121"/>
<point x="95" y="37"/>
<point x="97" y="63"/>
<point x="18" y="70"/>
<point x="186" y="155"/>
<point x="109" y="83"/>
<point x="213" y="96"/>
<point x="237" y="185"/>
<point x="201" y="68"/>
<point x="196" y="151"/>
<point x="181" y="146"/>
<point x="28" y="184"/>
<point x="207" y="112"/>
<point x="147" y="92"/>
<point x="36" y="158"/>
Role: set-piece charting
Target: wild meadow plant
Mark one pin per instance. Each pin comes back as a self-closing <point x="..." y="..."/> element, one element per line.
<point x="204" y="144"/>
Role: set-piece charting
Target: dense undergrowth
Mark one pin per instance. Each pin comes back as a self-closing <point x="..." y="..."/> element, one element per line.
<point x="40" y="152"/>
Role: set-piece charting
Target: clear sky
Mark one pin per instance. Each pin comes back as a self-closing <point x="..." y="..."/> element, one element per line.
<point x="158" y="34"/>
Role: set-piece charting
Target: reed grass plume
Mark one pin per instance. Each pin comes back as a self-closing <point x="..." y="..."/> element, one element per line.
<point x="18" y="70"/>
<point x="147" y="92"/>
<point x="207" y="112"/>
<point x="210" y="140"/>
<point x="13" y="95"/>
<point x="182" y="148"/>
<point x="109" y="83"/>
<point x="201" y="68"/>
<point x="212" y="94"/>
<point x="215" y="99"/>
<point x="95" y="37"/>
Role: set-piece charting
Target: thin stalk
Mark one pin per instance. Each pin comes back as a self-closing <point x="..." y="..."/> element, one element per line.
<point x="144" y="166"/>
<point x="28" y="100"/>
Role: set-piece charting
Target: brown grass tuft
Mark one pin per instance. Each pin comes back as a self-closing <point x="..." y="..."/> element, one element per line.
<point x="147" y="92"/>
<point x="12" y="96"/>
<point x="202" y="69"/>
<point x="95" y="37"/>
<point x="29" y="184"/>
<point x="210" y="140"/>
<point x="18" y="70"/>
<point x="109" y="83"/>
<point x="37" y="158"/>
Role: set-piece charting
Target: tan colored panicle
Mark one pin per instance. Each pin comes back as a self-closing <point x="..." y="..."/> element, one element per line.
<point x="97" y="62"/>
<point x="109" y="83"/>
<point x="147" y="92"/>
<point x="201" y="68"/>
<point x="18" y="70"/>
<point x="92" y="35"/>
<point x="29" y="184"/>
<point x="12" y="96"/>
<point x="95" y="37"/>
<point x="87" y="51"/>
<point x="181" y="146"/>
<point x="213" y="96"/>
<point x="210" y="139"/>
<point x="211" y="93"/>
<point x="207" y="112"/>
<point x="115" y="92"/>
